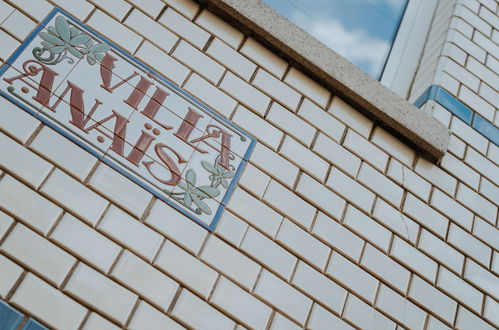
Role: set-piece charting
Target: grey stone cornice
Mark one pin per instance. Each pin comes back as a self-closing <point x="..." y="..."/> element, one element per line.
<point x="397" y="115"/>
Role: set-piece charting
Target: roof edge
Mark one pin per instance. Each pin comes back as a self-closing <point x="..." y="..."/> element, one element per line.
<point x="257" y="19"/>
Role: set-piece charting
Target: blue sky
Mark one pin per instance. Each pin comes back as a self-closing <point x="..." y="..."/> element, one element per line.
<point x="360" y="30"/>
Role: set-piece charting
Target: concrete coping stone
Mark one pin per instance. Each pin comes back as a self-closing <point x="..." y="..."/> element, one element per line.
<point x="256" y="19"/>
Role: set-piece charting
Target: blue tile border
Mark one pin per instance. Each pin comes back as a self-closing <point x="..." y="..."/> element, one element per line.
<point x="33" y="325"/>
<point x="452" y="104"/>
<point x="238" y="173"/>
<point x="10" y="318"/>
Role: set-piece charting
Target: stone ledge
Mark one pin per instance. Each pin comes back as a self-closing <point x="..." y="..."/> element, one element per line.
<point x="303" y="51"/>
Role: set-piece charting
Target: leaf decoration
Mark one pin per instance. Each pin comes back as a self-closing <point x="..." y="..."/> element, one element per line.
<point x="194" y="197"/>
<point x="65" y="39"/>
<point x="51" y="39"/>
<point x="62" y="28"/>
<point x="79" y="39"/>
<point x="202" y="206"/>
<point x="190" y="177"/>
<point x="207" y="191"/>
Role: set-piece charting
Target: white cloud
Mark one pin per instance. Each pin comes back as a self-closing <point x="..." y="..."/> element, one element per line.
<point x="356" y="45"/>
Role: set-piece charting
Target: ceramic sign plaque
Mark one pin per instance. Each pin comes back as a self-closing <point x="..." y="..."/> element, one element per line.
<point x="130" y="117"/>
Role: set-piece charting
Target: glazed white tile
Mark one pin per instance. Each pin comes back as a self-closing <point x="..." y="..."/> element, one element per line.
<point x="275" y="165"/>
<point x="365" y="150"/>
<point x="245" y="93"/>
<point x="30" y="207"/>
<point x="469" y="245"/>
<point x="319" y="286"/>
<point x="114" y="30"/>
<point x="22" y="162"/>
<point x="162" y="63"/>
<point x="186" y="269"/>
<point x="231" y="228"/>
<point x="386" y="268"/>
<point x="396" y="221"/>
<point x="211" y="95"/>
<point x="460" y="290"/>
<point x="265" y="132"/>
<point x="364" y="316"/>
<point x="16" y="122"/>
<point x="185" y="28"/>
<point x="321" y="119"/>
<point x="414" y="259"/>
<point x="269" y="253"/>
<point x="264" y="57"/>
<point x="254" y="180"/>
<point x="101" y="293"/>
<point x="231" y="262"/>
<point x="400" y="308"/>
<point x="10" y="44"/>
<point x="242" y="305"/>
<point x="75" y="196"/>
<point x="291" y="124"/>
<point x="441" y="251"/>
<point x="56" y="309"/>
<point x="426" y="216"/>
<point x="320" y="318"/>
<point x="433" y="299"/>
<point x="350" y="116"/>
<point x="151" y="29"/>
<point x="366" y="227"/>
<point x="316" y="194"/>
<point x="116" y="8"/>
<point x="408" y="179"/>
<point x="80" y="9"/>
<point x="276" y="89"/>
<point x="5" y="222"/>
<point x="218" y="27"/>
<point x="231" y="59"/>
<point x="188" y="8"/>
<point x="9" y="274"/>
<point x="177" y="227"/>
<point x="85" y="242"/>
<point x="352" y="276"/>
<point x="468" y="320"/>
<point x="120" y="189"/>
<point x="284" y="297"/>
<point x="288" y="203"/>
<point x="67" y="155"/>
<point x="145" y="280"/>
<point x="148" y="317"/>
<point x="18" y="24"/>
<point x="280" y="322"/>
<point x="255" y="212"/>
<point x="38" y="254"/>
<point x="130" y="232"/>
<point x="5" y="11"/>
<point x="206" y="316"/>
<point x="198" y="61"/>
<point x="304" y="158"/>
<point x="337" y="236"/>
<point x="97" y="322"/>
<point x="304" y="245"/>
<point x="350" y="189"/>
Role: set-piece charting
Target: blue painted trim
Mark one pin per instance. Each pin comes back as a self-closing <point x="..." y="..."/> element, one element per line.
<point x="102" y="156"/>
<point x="486" y="128"/>
<point x="10" y="318"/>
<point x="452" y="104"/>
<point x="33" y="325"/>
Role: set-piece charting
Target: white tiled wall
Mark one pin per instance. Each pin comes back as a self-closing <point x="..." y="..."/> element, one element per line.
<point x="335" y="223"/>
